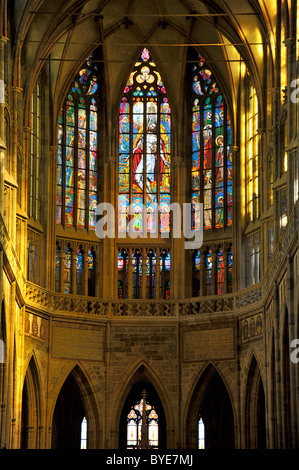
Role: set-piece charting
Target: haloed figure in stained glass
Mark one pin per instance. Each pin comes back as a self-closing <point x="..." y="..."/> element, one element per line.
<point x="144" y="149"/>
<point x="211" y="150"/>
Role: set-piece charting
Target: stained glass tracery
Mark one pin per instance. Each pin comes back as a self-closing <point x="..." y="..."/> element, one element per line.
<point x="144" y="150"/>
<point x="134" y="426"/>
<point x="211" y="175"/>
<point x="77" y="175"/>
<point x="155" y="275"/>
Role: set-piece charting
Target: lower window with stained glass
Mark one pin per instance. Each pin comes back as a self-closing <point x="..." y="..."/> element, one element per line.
<point x="142" y="426"/>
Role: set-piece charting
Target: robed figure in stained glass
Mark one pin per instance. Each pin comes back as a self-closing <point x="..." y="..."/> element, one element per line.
<point x="144" y="149"/>
<point x="211" y="173"/>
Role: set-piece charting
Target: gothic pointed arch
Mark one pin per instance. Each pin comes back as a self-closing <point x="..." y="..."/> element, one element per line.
<point x="141" y="379"/>
<point x="78" y="155"/>
<point x="145" y="146"/>
<point x="211" y="148"/>
<point x="76" y="400"/>
<point x="211" y="402"/>
<point x="255" y="408"/>
<point x="31" y="407"/>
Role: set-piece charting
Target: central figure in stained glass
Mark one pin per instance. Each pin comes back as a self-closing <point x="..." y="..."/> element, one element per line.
<point x="144" y="150"/>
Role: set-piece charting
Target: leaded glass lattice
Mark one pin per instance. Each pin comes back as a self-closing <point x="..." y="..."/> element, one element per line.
<point x="211" y="174"/>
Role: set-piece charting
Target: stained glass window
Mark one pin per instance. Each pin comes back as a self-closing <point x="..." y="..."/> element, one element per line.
<point x="230" y="271"/>
<point x="151" y="273"/>
<point x="144" y="151"/>
<point x="197" y="260"/>
<point x="134" y="426"/>
<point x="283" y="147"/>
<point x="196" y="273"/>
<point x="211" y="175"/>
<point x="164" y="273"/>
<point x="122" y="265"/>
<point x="220" y="272"/>
<point x="252" y="152"/>
<point x="79" y="268"/>
<point x="144" y="269"/>
<point x="209" y="272"/>
<point x="91" y="272"/>
<point x="57" y="269"/>
<point x="67" y="270"/>
<point x="83" y="434"/>
<point x="137" y="273"/>
<point x="35" y="150"/>
<point x="78" y="150"/>
<point x="201" y="434"/>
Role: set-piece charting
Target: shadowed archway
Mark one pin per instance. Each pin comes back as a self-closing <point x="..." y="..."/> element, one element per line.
<point x="211" y="401"/>
<point x="75" y="401"/>
<point x="255" y="428"/>
<point x="31" y="408"/>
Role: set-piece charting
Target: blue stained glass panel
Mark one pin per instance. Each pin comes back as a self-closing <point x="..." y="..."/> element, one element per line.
<point x="124" y="123"/>
<point x="124" y="143"/>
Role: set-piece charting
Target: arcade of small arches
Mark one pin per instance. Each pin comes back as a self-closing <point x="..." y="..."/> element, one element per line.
<point x="209" y="419"/>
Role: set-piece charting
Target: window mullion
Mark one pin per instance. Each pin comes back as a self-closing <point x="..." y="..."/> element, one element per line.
<point x="158" y="164"/>
<point x="201" y="155"/>
<point x="87" y="186"/>
<point x="213" y="165"/>
<point x="145" y="137"/>
<point x="225" y="153"/>
<point x="63" y="153"/>
<point x="131" y="151"/>
<point x="76" y="150"/>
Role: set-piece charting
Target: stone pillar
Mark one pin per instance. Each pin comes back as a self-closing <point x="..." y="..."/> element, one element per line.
<point x="31" y="248"/>
<point x="85" y="272"/>
<point x="130" y="274"/>
<point x="97" y="271"/>
<point x="256" y="263"/>
<point x="3" y="41"/>
<point x="157" y="280"/>
<point x="239" y="214"/>
<point x="177" y="253"/>
<point x="109" y="246"/>
<point x="61" y="271"/>
<point x="202" y="272"/>
<point x="73" y="271"/>
<point x="49" y="235"/>
<point x="277" y="366"/>
<point x="225" y="262"/>
<point x="293" y="367"/>
<point x="214" y="270"/>
<point x="290" y="45"/>
<point x="143" y="283"/>
<point x="275" y="108"/>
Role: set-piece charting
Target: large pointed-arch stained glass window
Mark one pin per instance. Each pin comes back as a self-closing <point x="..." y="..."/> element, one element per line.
<point x="78" y="149"/>
<point x="144" y="151"/>
<point x="211" y="151"/>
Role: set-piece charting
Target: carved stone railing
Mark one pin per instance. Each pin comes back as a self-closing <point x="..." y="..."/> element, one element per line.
<point x="251" y="297"/>
<point x="56" y="302"/>
<point x="206" y="305"/>
<point x="248" y="296"/>
<point x="142" y="308"/>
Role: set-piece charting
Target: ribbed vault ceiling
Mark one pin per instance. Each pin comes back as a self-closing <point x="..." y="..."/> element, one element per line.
<point x="64" y="32"/>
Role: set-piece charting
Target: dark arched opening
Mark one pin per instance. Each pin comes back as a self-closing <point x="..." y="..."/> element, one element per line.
<point x="211" y="403"/>
<point x="68" y="415"/>
<point x="217" y="414"/>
